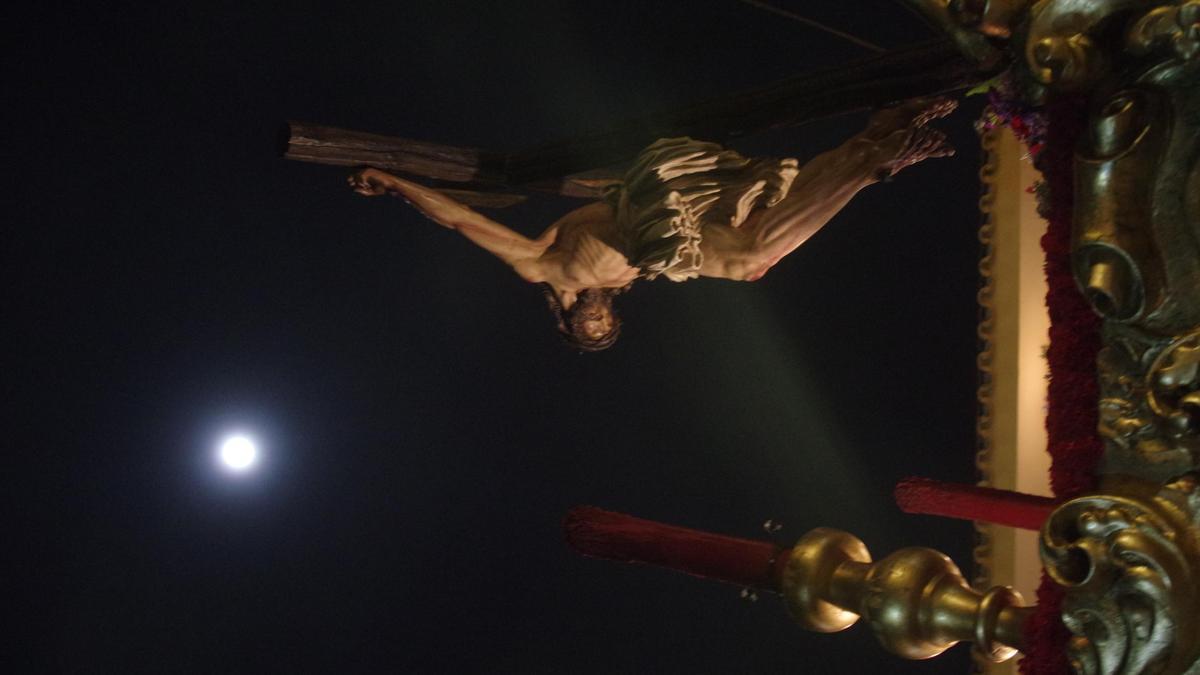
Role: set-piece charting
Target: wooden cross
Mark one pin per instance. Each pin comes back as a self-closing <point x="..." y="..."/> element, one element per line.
<point x="582" y="166"/>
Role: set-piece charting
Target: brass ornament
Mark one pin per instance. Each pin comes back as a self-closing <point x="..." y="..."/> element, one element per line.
<point x="1059" y="46"/>
<point x="1173" y="386"/>
<point x="915" y="600"/>
<point x="1174" y="27"/>
<point x="1131" y="567"/>
<point x="1149" y="412"/>
<point x="1115" y="261"/>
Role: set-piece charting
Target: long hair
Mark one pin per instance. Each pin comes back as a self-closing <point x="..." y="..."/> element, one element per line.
<point x="570" y="321"/>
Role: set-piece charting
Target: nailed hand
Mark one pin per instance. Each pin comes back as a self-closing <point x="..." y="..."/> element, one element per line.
<point x="367" y="182"/>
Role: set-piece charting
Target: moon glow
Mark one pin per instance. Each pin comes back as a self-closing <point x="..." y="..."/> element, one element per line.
<point x="238" y="453"/>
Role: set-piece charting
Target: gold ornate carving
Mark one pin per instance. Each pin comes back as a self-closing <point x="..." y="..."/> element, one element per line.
<point x="1137" y="198"/>
<point x="1115" y="260"/>
<point x="1150" y="404"/>
<point x="1128" y="557"/>
<point x="1173" y="386"/>
<point x="1131" y="566"/>
<point x="915" y="599"/>
<point x="1059" y="44"/>
<point x="1175" y="27"/>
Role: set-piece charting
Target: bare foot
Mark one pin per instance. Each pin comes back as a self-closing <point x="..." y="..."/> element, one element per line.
<point x="911" y="114"/>
<point x="902" y="138"/>
<point x="368" y="182"/>
<point x="920" y="145"/>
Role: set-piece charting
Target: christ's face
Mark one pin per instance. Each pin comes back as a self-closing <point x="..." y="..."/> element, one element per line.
<point x="597" y="322"/>
<point x="592" y="324"/>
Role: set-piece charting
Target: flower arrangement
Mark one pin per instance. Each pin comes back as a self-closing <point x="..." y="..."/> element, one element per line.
<point x="1006" y="107"/>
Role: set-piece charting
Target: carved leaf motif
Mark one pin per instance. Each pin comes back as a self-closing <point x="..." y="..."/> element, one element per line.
<point x="1174" y="383"/>
<point x="1174" y="26"/>
<point x="1129" y="567"/>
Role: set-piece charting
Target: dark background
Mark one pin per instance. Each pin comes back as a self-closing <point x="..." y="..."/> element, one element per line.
<point x="168" y="278"/>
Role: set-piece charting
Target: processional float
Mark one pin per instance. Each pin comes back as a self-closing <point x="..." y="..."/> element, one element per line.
<point x="1118" y="82"/>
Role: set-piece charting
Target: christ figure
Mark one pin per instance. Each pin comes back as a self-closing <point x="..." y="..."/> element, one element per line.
<point x="684" y="209"/>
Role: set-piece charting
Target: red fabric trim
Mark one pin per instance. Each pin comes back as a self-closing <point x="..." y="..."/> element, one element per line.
<point x="1072" y="417"/>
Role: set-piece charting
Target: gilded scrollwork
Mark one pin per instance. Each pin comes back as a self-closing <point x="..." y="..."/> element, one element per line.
<point x="1175" y="27"/>
<point x="1136" y="239"/>
<point x="1173" y="386"/>
<point x="1131" y="567"/>
<point x="1150" y="405"/>
<point x="1129" y="557"/>
<point x="1063" y="44"/>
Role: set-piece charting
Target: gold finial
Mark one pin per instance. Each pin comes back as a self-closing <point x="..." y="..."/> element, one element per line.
<point x="915" y="600"/>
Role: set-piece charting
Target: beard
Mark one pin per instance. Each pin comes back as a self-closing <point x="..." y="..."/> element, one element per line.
<point x="591" y="303"/>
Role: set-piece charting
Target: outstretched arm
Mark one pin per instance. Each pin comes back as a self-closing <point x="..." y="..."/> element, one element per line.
<point x="511" y="247"/>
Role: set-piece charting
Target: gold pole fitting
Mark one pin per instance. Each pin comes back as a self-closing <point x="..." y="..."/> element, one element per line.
<point x="915" y="600"/>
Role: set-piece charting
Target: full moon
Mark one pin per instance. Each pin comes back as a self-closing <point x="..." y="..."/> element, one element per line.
<point x="238" y="453"/>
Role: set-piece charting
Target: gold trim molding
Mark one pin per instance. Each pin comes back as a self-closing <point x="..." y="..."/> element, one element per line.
<point x="983" y="552"/>
<point x="1012" y="332"/>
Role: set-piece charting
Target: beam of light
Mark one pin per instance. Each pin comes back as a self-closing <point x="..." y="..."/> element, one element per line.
<point x="792" y="408"/>
<point x="239" y="453"/>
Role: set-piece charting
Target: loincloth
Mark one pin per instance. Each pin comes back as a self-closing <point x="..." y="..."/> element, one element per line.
<point x="676" y="186"/>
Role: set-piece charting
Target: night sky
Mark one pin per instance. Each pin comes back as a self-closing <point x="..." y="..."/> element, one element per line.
<point x="170" y="279"/>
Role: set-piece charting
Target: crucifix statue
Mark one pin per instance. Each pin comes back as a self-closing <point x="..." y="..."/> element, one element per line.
<point x="684" y="209"/>
<point x="679" y="208"/>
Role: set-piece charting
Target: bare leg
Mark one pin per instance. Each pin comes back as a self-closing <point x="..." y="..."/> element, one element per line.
<point x="894" y="139"/>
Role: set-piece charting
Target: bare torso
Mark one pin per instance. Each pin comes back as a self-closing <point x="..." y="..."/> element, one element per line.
<point x="584" y="249"/>
<point x="590" y="251"/>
